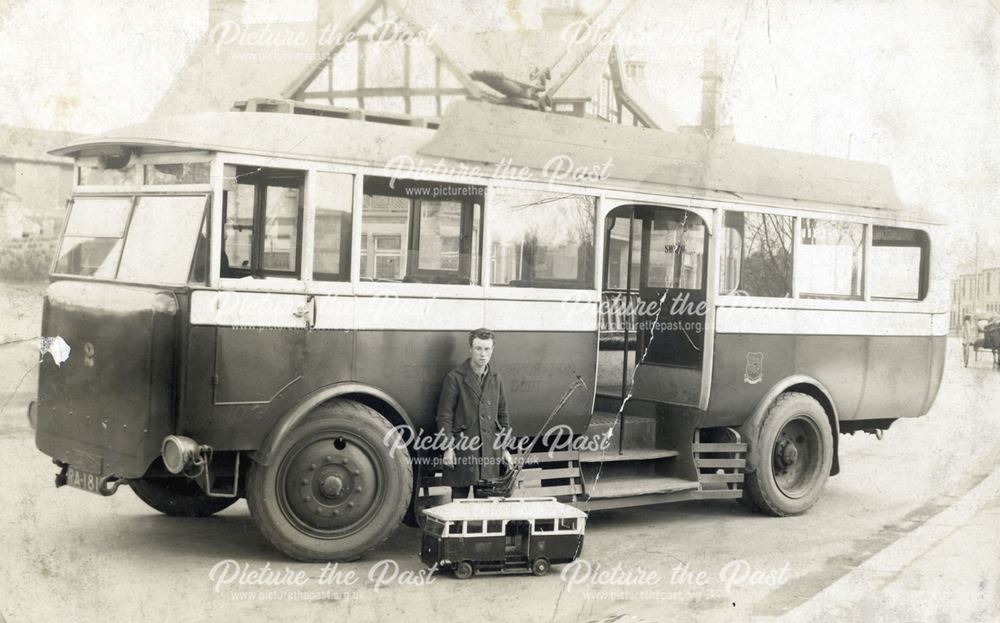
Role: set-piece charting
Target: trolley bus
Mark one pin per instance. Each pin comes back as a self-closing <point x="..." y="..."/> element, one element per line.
<point x="256" y="303"/>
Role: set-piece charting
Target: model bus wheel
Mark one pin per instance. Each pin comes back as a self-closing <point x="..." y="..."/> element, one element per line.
<point x="178" y="497"/>
<point x="540" y="566"/>
<point x="792" y="455"/>
<point x="463" y="570"/>
<point x="334" y="489"/>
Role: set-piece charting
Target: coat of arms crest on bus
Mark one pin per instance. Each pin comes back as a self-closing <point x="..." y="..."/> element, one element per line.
<point x="755" y="368"/>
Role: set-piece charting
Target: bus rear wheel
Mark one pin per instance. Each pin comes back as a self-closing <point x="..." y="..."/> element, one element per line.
<point x="334" y="489"/>
<point x="540" y="566"/>
<point x="792" y="456"/>
<point x="178" y="497"/>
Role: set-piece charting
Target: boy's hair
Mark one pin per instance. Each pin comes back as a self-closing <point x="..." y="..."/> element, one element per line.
<point x="481" y="334"/>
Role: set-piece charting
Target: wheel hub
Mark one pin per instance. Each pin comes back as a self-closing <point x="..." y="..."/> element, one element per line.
<point x="331" y="485"/>
<point x="796" y="457"/>
<point x="787" y="453"/>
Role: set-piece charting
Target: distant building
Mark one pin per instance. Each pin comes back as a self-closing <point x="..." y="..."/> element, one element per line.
<point x="975" y="293"/>
<point x="34" y="186"/>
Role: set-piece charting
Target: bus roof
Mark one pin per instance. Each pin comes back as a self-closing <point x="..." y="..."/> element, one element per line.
<point x="504" y="508"/>
<point x="478" y="134"/>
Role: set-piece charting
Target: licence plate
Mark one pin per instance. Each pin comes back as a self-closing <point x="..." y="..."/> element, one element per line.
<point x="83" y="480"/>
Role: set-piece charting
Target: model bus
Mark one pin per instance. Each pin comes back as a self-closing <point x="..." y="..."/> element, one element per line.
<point x="502" y="535"/>
<point x="258" y="303"/>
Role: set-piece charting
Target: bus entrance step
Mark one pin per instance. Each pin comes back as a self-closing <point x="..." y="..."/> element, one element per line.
<point x="613" y="455"/>
<point x="624" y="487"/>
<point x="639" y="430"/>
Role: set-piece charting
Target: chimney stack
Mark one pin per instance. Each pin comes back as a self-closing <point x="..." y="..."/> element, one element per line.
<point x="220" y="11"/>
<point x="711" y="87"/>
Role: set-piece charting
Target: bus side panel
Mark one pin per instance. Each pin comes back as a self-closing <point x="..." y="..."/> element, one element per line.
<point x="472" y="548"/>
<point x="556" y="548"/>
<point x="747" y="366"/>
<point x="939" y="345"/>
<point x="536" y="367"/>
<point x="899" y="372"/>
<point x="270" y="362"/>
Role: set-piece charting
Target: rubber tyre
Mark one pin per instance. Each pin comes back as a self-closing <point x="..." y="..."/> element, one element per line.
<point x="178" y="497"/>
<point x="540" y="566"/>
<point x="463" y="570"/>
<point x="342" y="430"/>
<point x="797" y="420"/>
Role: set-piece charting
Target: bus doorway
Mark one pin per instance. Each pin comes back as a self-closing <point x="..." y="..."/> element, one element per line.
<point x="653" y="306"/>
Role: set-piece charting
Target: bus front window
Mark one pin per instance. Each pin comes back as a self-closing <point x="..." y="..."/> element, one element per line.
<point x="161" y="239"/>
<point x="92" y="243"/>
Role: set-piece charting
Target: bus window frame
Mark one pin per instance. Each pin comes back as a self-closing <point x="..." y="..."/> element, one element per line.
<point x="134" y="196"/>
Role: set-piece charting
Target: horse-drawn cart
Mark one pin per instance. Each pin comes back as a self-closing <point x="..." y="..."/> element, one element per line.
<point x="980" y="331"/>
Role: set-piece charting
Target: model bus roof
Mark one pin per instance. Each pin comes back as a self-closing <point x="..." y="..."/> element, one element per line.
<point x="504" y="508"/>
<point x="478" y="134"/>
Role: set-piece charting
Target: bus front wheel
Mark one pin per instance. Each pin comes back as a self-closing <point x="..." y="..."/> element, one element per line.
<point x="792" y="454"/>
<point x="334" y="489"/>
<point x="463" y="570"/>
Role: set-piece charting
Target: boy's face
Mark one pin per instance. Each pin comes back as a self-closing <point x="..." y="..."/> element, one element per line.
<point x="481" y="352"/>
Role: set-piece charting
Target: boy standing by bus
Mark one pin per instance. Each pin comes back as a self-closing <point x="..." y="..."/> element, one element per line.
<point x="472" y="410"/>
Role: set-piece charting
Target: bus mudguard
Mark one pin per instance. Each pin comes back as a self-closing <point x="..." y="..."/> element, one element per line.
<point x="299" y="413"/>
<point x="800" y="383"/>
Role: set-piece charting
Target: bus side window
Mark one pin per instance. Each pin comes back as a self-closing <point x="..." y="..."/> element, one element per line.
<point x="545" y="525"/>
<point x="455" y="527"/>
<point x="899" y="263"/>
<point x="829" y="264"/>
<point x="567" y="523"/>
<point x="421" y="232"/>
<point x="262" y="211"/>
<point x="494" y="526"/>
<point x="757" y="255"/>
<point x="334" y="202"/>
<point x="542" y="239"/>
<point x="474" y="527"/>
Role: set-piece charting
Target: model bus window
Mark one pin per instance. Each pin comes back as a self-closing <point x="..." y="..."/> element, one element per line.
<point x="542" y="239"/>
<point x="332" y="246"/>
<point x="898" y="265"/>
<point x="545" y="525"/>
<point x="455" y="527"/>
<point x="474" y="527"/>
<point x="433" y="526"/>
<point x="261" y="211"/>
<point x="162" y="237"/>
<point x="420" y="232"/>
<point x="567" y="523"/>
<point x="757" y="255"/>
<point x="494" y="526"/>
<point x="830" y="259"/>
<point x="94" y="237"/>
